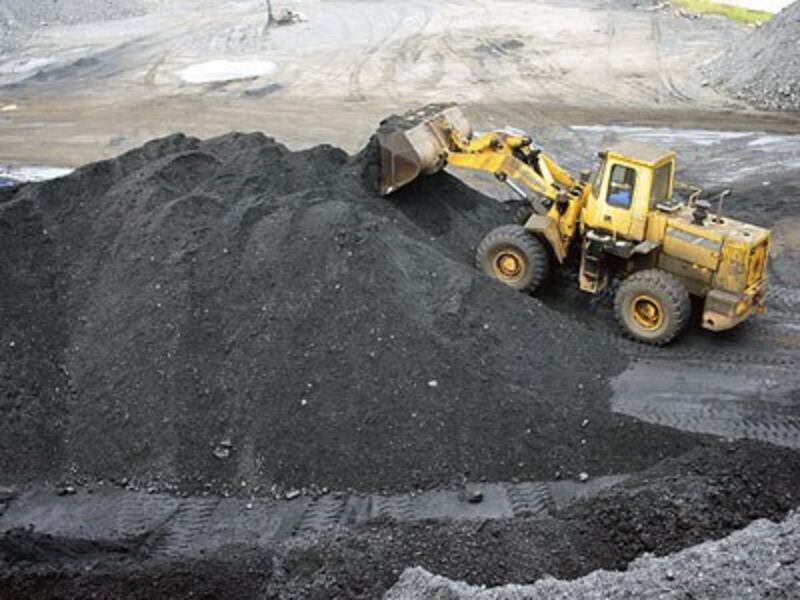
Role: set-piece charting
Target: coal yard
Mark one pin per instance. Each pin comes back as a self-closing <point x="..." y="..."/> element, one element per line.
<point x="253" y="362"/>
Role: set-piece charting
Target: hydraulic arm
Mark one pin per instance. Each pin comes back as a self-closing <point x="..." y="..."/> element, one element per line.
<point x="433" y="139"/>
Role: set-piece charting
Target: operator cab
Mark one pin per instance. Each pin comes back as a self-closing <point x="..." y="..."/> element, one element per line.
<point x="633" y="178"/>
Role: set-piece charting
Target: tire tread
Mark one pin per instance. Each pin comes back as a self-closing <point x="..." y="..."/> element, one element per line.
<point x="526" y="241"/>
<point x="672" y="288"/>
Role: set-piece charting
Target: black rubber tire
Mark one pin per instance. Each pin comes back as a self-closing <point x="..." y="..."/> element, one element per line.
<point x="522" y="215"/>
<point x="536" y="267"/>
<point x="670" y="293"/>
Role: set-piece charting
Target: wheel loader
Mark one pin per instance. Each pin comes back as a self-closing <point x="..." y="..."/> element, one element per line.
<point x="623" y="222"/>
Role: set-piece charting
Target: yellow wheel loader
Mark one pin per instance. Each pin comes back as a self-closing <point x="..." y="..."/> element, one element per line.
<point x="623" y="222"/>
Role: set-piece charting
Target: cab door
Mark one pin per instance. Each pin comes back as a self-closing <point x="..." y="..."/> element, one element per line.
<point x="618" y="201"/>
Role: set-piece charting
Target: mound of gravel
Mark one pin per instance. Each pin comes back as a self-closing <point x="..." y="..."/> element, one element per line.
<point x="759" y="561"/>
<point x="764" y="68"/>
<point x="229" y="315"/>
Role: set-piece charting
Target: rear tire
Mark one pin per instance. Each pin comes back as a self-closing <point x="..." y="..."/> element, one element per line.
<point x="652" y="306"/>
<point x="515" y="256"/>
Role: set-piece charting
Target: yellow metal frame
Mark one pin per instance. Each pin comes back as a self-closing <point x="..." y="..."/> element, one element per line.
<point x="498" y="153"/>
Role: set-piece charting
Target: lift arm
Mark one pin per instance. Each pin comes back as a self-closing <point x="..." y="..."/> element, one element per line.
<point x="433" y="139"/>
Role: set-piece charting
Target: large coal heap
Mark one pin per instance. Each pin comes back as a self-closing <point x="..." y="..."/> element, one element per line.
<point x="205" y="313"/>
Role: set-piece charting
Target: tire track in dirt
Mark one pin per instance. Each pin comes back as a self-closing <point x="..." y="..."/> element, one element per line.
<point x="783" y="299"/>
<point x="162" y="525"/>
<point x="631" y="90"/>
<point x="530" y="499"/>
<point x="745" y="389"/>
<point x="187" y="527"/>
<point x="730" y="417"/>
<point x="667" y="81"/>
<point x="320" y="515"/>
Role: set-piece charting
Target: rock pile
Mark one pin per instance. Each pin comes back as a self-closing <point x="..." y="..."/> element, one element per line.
<point x="764" y="69"/>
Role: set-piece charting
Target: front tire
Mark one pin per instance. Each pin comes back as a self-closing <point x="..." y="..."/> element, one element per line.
<point x="652" y="306"/>
<point x="515" y="256"/>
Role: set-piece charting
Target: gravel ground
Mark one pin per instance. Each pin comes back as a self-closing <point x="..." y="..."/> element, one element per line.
<point x="760" y="561"/>
<point x="764" y="69"/>
<point x="42" y="13"/>
<point x="20" y="18"/>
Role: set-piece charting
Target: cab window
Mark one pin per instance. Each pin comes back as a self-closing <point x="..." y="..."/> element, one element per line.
<point x="662" y="179"/>
<point x="621" y="185"/>
<point x="597" y="180"/>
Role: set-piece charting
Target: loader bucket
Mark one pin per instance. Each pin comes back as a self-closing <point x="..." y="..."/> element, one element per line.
<point x="417" y="143"/>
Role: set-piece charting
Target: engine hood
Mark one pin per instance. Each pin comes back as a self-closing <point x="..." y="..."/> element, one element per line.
<point x="728" y="254"/>
<point x="718" y="232"/>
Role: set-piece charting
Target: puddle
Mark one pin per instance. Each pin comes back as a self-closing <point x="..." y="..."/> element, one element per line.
<point x="226" y="70"/>
<point x="666" y="136"/>
<point x="13" y="175"/>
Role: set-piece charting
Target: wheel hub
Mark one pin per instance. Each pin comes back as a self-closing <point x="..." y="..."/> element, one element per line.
<point x="648" y="312"/>
<point x="509" y="264"/>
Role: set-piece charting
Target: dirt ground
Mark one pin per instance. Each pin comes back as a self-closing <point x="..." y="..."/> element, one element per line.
<point x="578" y="74"/>
<point x="335" y="75"/>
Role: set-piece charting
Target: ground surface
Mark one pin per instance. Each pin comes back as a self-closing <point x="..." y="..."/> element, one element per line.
<point x="169" y="429"/>
<point x="705" y="494"/>
<point x="352" y="63"/>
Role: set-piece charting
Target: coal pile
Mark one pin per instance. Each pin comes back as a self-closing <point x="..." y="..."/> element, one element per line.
<point x="764" y="68"/>
<point x="227" y="315"/>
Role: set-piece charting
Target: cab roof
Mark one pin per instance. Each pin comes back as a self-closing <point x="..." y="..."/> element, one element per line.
<point x="640" y="152"/>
